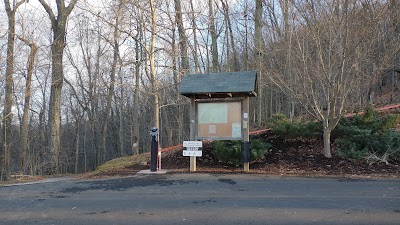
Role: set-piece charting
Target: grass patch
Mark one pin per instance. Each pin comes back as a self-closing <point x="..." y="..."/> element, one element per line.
<point x="122" y="163"/>
<point x="21" y="179"/>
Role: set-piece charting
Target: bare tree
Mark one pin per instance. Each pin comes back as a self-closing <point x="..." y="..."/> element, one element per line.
<point x="183" y="40"/>
<point x="25" y="117"/>
<point x="136" y="122"/>
<point x="327" y="52"/>
<point x="214" y="38"/>
<point x="153" y="77"/>
<point x="258" y="55"/>
<point x="236" y="63"/>
<point x="115" y="44"/>
<point x="7" y="113"/>
<point x="195" y="43"/>
<point x="59" y="26"/>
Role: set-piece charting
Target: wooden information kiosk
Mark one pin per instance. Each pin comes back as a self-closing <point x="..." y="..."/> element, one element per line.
<point x="219" y="106"/>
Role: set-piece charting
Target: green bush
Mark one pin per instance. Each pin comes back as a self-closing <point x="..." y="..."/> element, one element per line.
<point x="258" y="149"/>
<point x="230" y="151"/>
<point x="363" y="135"/>
<point x="351" y="150"/>
<point x="370" y="120"/>
<point x="362" y="145"/>
<point x="277" y="119"/>
<point x="227" y="151"/>
<point x="347" y="131"/>
<point x="283" y="127"/>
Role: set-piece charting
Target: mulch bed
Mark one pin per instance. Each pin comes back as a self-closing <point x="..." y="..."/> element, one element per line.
<point x="297" y="157"/>
<point x="287" y="157"/>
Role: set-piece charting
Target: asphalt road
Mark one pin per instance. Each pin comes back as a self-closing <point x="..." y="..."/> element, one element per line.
<point x="202" y="199"/>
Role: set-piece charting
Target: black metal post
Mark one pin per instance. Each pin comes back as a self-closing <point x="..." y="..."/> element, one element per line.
<point x="154" y="149"/>
<point x="246" y="151"/>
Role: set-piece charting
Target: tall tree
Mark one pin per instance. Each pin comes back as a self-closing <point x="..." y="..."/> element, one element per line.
<point x="183" y="40"/>
<point x="286" y="10"/>
<point x="328" y="52"/>
<point x="184" y="67"/>
<point x="136" y="121"/>
<point x="258" y="46"/>
<point x="7" y="113"/>
<point x="214" y="38"/>
<point x="25" y="116"/>
<point x="236" y="64"/>
<point x="195" y="43"/>
<point x="153" y="77"/>
<point x="59" y="26"/>
<point x="115" y="44"/>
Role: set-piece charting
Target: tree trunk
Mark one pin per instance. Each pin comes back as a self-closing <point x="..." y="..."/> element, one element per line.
<point x="58" y="25"/>
<point x="136" y="133"/>
<point x="153" y="78"/>
<point x="94" y="111"/>
<point x="236" y="63"/>
<point x="121" y="138"/>
<point x="25" y="117"/>
<point x="110" y="91"/>
<point x="184" y="69"/>
<point x="327" y="141"/>
<point x="84" y="149"/>
<point x="55" y="105"/>
<point x="183" y="42"/>
<point x="195" y="44"/>
<point x="7" y="113"/>
<point x="246" y="39"/>
<point x="214" y="37"/>
<point x="77" y="145"/>
<point x="258" y="45"/>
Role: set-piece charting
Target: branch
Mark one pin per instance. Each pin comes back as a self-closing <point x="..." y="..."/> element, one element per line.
<point x="49" y="12"/>
<point x="70" y="7"/>
<point x="8" y="6"/>
<point x="26" y="41"/>
<point x="18" y="4"/>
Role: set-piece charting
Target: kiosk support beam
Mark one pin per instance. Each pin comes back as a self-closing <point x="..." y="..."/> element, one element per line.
<point x="246" y="102"/>
<point x="192" y="130"/>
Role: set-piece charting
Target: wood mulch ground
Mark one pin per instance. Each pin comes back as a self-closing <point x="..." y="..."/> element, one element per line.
<point x="285" y="158"/>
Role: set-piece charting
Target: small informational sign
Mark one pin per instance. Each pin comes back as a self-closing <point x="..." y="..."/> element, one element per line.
<point x="197" y="153"/>
<point x="236" y="130"/>
<point x="197" y="144"/>
<point x="192" y="148"/>
<point x="212" y="129"/>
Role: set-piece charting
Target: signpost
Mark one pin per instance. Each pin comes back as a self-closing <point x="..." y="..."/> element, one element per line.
<point x="192" y="149"/>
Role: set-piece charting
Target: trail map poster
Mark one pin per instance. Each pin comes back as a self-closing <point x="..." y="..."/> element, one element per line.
<point x="219" y="120"/>
<point x="213" y="113"/>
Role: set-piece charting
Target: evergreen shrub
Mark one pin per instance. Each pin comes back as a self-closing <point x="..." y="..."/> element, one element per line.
<point x="296" y="129"/>
<point x="230" y="151"/>
<point x="368" y="134"/>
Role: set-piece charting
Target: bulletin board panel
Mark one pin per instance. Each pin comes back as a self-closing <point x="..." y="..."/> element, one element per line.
<point x="219" y="120"/>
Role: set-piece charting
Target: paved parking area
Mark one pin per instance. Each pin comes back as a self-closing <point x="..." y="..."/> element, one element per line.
<point x="203" y="199"/>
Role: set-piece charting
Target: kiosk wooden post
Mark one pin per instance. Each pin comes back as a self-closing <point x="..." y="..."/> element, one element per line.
<point x="192" y="130"/>
<point x="246" y="165"/>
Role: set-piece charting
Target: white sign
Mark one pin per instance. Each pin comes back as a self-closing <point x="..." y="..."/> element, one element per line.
<point x="197" y="144"/>
<point x="192" y="148"/>
<point x="236" y="130"/>
<point x="196" y="153"/>
<point x="214" y="112"/>
<point x="212" y="129"/>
